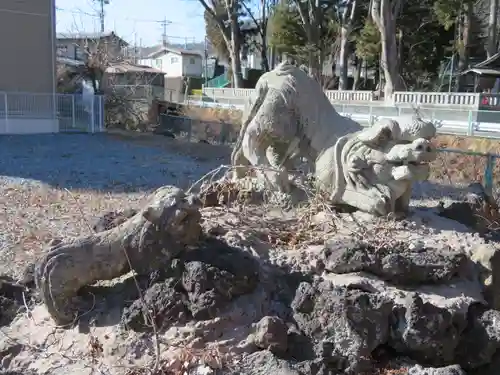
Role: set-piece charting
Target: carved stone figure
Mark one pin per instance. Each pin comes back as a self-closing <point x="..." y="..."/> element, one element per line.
<point x="288" y="116"/>
<point x="373" y="169"/>
<point x="168" y="223"/>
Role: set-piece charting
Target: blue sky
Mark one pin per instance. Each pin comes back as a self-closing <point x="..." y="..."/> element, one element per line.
<point x="135" y="19"/>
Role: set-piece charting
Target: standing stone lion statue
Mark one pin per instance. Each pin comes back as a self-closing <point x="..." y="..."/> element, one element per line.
<point x="288" y="116"/>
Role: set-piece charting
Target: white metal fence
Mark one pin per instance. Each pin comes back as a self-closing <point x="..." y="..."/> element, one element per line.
<point x="41" y="113"/>
<point x="400" y="97"/>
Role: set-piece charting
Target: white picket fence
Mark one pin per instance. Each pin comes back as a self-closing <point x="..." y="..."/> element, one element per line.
<point x="25" y="113"/>
<point x="399" y="97"/>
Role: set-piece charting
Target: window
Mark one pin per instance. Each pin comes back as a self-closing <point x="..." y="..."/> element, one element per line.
<point x="158" y="63"/>
<point x="62" y="50"/>
<point x="78" y="53"/>
<point x="174" y="60"/>
<point x="191" y="61"/>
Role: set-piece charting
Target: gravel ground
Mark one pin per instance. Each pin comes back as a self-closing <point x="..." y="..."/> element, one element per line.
<point x="55" y="186"/>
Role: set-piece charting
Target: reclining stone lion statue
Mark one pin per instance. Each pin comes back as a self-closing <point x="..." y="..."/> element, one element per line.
<point x="288" y="116"/>
<point x="167" y="225"/>
<point x="374" y="169"/>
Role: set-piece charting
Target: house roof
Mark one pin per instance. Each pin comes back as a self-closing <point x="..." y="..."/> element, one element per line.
<point x="126" y="67"/>
<point x="178" y="51"/>
<point x="485" y="63"/>
<point x="84" y="35"/>
<point x="141" y="52"/>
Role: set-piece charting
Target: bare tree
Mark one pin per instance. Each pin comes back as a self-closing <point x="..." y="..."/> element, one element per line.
<point x="312" y="16"/>
<point x="261" y="24"/>
<point x="346" y="27"/>
<point x="492" y="29"/>
<point x="320" y="31"/>
<point x="230" y="30"/>
<point x="385" y="13"/>
<point x="464" y="23"/>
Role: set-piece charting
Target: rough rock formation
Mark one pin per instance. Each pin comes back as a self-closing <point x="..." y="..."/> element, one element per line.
<point x="369" y="306"/>
<point x="478" y="210"/>
<point x="196" y="286"/>
<point x="11" y="299"/>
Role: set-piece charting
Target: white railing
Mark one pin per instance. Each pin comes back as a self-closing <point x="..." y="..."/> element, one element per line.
<point x="226" y="92"/>
<point x="436" y="98"/>
<point x="399" y="97"/>
<point x="347" y="96"/>
<point x="490" y="100"/>
<point x="48" y="113"/>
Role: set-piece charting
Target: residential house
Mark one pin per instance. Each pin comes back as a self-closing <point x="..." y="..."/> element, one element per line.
<point x="175" y="62"/>
<point x="27" y="27"/>
<point x="77" y="46"/>
<point x="137" y="81"/>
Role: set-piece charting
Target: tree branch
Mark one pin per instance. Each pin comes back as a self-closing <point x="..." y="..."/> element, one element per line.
<point x="259" y="26"/>
<point x="219" y="22"/>
<point x="375" y="12"/>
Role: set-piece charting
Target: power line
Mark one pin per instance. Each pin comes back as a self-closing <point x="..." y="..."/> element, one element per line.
<point x="164" y="23"/>
<point x="79" y="12"/>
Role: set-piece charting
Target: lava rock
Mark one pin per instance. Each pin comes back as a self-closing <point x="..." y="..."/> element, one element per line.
<point x="11" y="299"/>
<point x="345" y="325"/>
<point x="164" y="299"/>
<point x="214" y="274"/>
<point x="400" y="265"/>
<point x="271" y="334"/>
<point x="112" y="219"/>
<point x="481" y="339"/>
<point x="448" y="370"/>
<point x="487" y="260"/>
<point x="424" y="332"/>
<point x="476" y="211"/>
<point x="265" y="363"/>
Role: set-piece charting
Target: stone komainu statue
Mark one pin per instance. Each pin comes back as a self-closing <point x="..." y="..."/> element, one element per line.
<point x="287" y="116"/>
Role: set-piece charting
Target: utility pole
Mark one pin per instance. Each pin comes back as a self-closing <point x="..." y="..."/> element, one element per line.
<point x="164" y="24"/>
<point x="101" y="12"/>
<point x="206" y="59"/>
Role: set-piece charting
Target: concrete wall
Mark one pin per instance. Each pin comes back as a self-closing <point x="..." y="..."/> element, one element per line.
<point x="28" y="126"/>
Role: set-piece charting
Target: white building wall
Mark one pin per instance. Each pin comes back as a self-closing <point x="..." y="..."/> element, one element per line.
<point x="175" y="65"/>
<point x="192" y="66"/>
